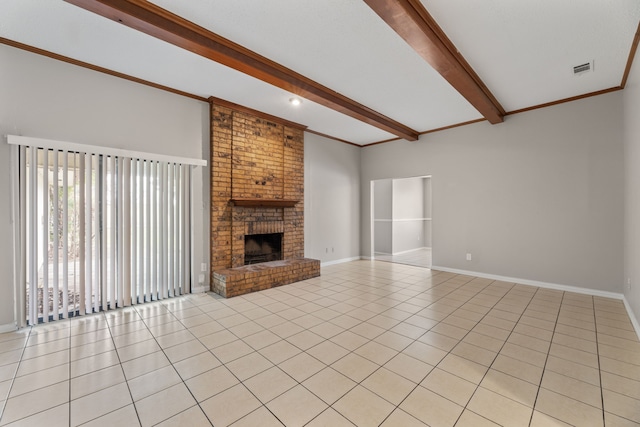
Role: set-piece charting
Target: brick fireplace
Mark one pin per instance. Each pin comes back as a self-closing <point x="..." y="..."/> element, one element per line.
<point x="257" y="188"/>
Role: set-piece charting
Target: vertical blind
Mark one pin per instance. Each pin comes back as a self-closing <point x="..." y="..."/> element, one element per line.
<point x="101" y="231"/>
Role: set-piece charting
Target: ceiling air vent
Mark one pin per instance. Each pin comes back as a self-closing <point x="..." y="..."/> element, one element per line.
<point x="582" y="68"/>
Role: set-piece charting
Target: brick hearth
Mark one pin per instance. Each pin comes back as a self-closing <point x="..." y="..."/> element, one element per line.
<point x="258" y="277"/>
<point x="259" y="160"/>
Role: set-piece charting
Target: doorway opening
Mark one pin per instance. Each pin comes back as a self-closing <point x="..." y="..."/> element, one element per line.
<point x="401" y="220"/>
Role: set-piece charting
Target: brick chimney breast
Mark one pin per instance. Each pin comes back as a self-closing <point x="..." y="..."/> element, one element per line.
<point x="252" y="158"/>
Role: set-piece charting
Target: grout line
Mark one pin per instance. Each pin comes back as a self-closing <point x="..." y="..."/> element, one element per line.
<point x="15" y="374"/>
<point x="595" y="323"/>
<point x="178" y="373"/>
<point x="241" y="382"/>
<point x="546" y="359"/>
<point x="115" y="348"/>
<point x="222" y="364"/>
<point x="69" y="412"/>
<point x="448" y="352"/>
<point x="498" y="352"/>
<point x="349" y="351"/>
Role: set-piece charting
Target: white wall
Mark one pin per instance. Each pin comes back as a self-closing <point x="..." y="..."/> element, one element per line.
<point x="427" y="212"/>
<point x="331" y="199"/>
<point x="632" y="189"/>
<point x="408" y="207"/>
<point x="44" y="98"/>
<point x="538" y="197"/>
<point x="383" y="216"/>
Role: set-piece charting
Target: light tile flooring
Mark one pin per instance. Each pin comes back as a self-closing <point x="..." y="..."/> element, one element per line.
<point x="366" y="344"/>
<point x="419" y="258"/>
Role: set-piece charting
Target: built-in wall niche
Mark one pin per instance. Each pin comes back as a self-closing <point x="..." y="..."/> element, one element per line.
<point x="401" y="215"/>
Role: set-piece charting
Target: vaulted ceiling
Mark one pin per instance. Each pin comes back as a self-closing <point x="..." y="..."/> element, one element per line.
<point x="367" y="70"/>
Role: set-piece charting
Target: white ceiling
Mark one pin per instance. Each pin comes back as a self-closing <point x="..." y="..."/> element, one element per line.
<point x="523" y="50"/>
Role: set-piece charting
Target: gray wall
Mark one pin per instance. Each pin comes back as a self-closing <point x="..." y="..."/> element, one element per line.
<point x="383" y="214"/>
<point x="427" y="212"/>
<point x="538" y="197"/>
<point x="632" y="189"/>
<point x="383" y="199"/>
<point x="44" y="98"/>
<point x="408" y="204"/>
<point x="408" y="198"/>
<point x="332" y="199"/>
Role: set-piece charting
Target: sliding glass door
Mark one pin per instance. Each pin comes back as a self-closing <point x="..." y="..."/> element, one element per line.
<point x="101" y="231"/>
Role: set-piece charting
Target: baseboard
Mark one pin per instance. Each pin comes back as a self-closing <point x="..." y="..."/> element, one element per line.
<point x="9" y="327"/>
<point x="632" y="316"/>
<point x="410" y="250"/>
<point x="339" y="261"/>
<point x="547" y="285"/>
<point x="199" y="289"/>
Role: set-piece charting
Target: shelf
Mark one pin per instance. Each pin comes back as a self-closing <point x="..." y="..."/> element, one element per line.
<point x="401" y="219"/>
<point x="265" y="203"/>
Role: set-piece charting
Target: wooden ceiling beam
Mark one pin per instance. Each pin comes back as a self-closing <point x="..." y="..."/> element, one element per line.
<point x="160" y="23"/>
<point x="412" y="22"/>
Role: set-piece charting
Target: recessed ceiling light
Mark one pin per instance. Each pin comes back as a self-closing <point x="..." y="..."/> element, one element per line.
<point x="295" y="101"/>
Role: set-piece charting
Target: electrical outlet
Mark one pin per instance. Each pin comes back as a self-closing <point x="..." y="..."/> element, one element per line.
<point x="201" y="278"/>
<point x="203" y="266"/>
<point x="468" y="257"/>
<point x="628" y="282"/>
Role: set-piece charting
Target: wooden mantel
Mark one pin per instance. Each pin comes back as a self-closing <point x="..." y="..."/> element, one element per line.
<point x="264" y="203"/>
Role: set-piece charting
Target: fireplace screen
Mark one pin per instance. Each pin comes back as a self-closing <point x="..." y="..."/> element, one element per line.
<point x="262" y="248"/>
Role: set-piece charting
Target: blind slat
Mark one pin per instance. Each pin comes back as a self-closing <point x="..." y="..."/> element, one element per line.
<point x="82" y="216"/>
<point x="187" y="230"/>
<point x="165" y="265"/>
<point x="148" y="231"/>
<point x="104" y="251"/>
<point x="56" y="231"/>
<point x="96" y="237"/>
<point x="133" y="200"/>
<point x="45" y="236"/>
<point x="176" y="233"/>
<point x="33" y="236"/>
<point x="65" y="235"/>
<point x="125" y="297"/>
<point x="112" y="232"/>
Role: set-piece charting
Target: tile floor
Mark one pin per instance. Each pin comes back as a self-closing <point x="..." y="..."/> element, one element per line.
<point x="419" y="258"/>
<point x="366" y="344"/>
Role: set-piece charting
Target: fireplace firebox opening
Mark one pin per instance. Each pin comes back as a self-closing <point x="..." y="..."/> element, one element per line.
<point x="262" y="248"/>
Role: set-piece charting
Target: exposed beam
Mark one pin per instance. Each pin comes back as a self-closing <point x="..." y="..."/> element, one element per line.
<point x="413" y="23"/>
<point x="160" y="23"/>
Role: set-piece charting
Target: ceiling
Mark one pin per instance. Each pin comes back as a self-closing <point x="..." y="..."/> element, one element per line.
<point x="522" y="51"/>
